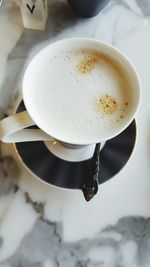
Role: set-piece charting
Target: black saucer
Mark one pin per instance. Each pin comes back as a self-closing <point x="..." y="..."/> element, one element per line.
<point x="55" y="171"/>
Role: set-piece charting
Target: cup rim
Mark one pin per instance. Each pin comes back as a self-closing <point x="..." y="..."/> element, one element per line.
<point x="110" y="47"/>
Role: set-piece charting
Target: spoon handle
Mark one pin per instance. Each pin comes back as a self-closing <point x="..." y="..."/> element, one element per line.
<point x="90" y="184"/>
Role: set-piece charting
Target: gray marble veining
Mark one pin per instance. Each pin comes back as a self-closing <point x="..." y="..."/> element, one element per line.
<point x="134" y="232"/>
<point x="44" y="246"/>
<point x="144" y="5"/>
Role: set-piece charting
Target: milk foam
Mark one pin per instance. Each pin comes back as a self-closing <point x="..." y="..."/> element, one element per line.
<point x="66" y="100"/>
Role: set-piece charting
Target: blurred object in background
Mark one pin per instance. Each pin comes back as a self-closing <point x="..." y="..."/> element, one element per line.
<point x="87" y="8"/>
<point x="34" y="13"/>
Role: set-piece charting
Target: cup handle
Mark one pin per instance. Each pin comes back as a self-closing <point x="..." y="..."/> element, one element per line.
<point x="12" y="129"/>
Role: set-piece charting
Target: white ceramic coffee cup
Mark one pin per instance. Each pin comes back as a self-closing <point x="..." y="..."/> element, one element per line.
<point x="13" y="128"/>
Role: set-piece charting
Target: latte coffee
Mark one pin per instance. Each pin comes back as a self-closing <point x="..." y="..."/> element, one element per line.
<point x="82" y="94"/>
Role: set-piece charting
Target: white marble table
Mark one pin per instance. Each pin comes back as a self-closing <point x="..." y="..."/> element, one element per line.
<point x="46" y="227"/>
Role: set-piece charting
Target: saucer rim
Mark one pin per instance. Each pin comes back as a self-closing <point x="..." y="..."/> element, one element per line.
<point x="75" y="189"/>
<point x="37" y="177"/>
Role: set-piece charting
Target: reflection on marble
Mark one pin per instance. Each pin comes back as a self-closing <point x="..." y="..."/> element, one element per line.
<point x="48" y="227"/>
